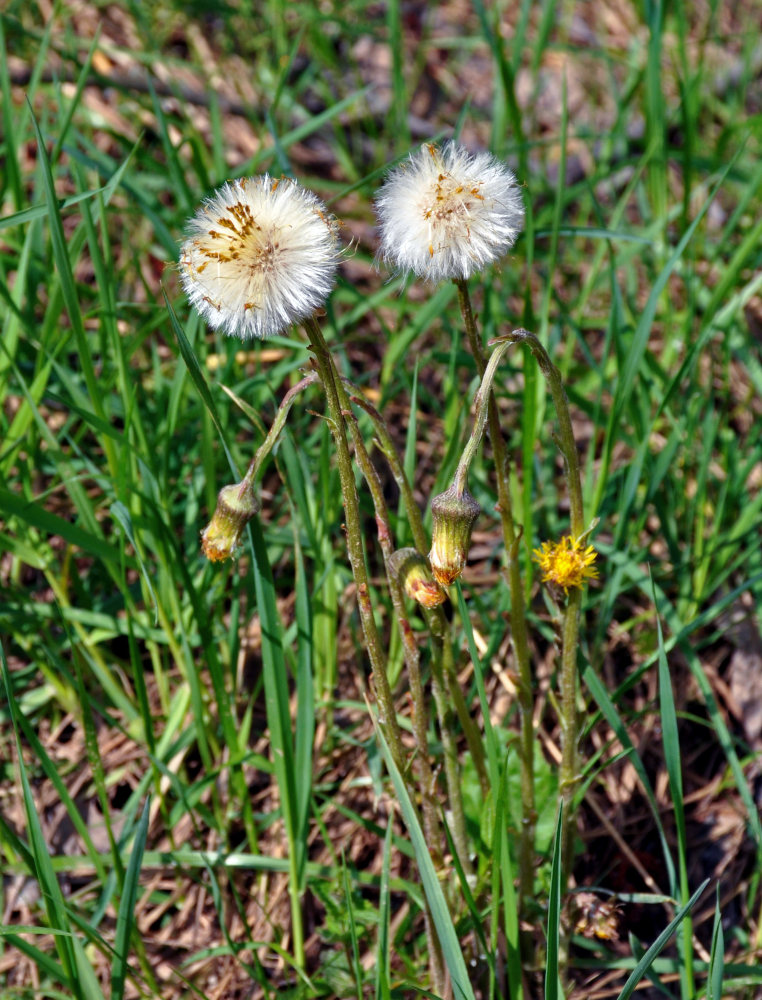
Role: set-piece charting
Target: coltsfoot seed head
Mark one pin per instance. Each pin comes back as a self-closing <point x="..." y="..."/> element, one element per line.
<point x="260" y="254"/>
<point x="448" y="213"/>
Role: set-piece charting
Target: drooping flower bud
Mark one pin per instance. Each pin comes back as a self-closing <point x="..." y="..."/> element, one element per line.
<point x="415" y="577"/>
<point x="453" y="514"/>
<point x="236" y="505"/>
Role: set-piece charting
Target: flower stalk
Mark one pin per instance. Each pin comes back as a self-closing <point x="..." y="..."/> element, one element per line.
<point x="435" y="617"/>
<point x="511" y="538"/>
<point x="569" y="776"/>
<point x="276" y="428"/>
<point x="426" y="779"/>
<point x="438" y="683"/>
<point x="331" y="382"/>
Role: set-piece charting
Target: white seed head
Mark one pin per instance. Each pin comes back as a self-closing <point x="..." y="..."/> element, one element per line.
<point x="259" y="255"/>
<point x="447" y="213"/>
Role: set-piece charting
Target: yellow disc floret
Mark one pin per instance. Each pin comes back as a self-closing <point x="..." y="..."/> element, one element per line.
<point x="567" y="563"/>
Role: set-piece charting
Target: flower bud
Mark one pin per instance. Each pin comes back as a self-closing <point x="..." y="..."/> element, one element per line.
<point x="415" y="577"/>
<point x="454" y="514"/>
<point x="236" y="505"/>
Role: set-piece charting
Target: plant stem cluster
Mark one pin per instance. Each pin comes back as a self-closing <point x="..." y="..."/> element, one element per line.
<point x="262" y="254"/>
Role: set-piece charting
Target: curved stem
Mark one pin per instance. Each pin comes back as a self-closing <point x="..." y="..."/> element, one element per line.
<point x="276" y="428"/>
<point x="566" y="440"/>
<point x="427" y="781"/>
<point x="388" y="716"/>
<point x="518" y="611"/>
<point x="569" y="776"/>
<point x="435" y="617"/>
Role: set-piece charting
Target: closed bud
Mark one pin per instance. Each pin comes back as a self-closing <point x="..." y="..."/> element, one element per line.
<point x="453" y="514"/>
<point x="236" y="505"/>
<point x="414" y="575"/>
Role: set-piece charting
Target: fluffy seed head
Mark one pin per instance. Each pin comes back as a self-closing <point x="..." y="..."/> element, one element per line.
<point x="447" y="213"/>
<point x="259" y="255"/>
<point x="567" y="563"/>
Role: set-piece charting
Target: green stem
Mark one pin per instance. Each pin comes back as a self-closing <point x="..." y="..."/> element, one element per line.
<point x="435" y="617"/>
<point x="274" y="433"/>
<point x="439" y="666"/>
<point x="460" y="836"/>
<point x="427" y="781"/>
<point x="409" y="645"/>
<point x="518" y="611"/>
<point x="569" y="776"/>
<point x="355" y="550"/>
<point x="566" y="440"/>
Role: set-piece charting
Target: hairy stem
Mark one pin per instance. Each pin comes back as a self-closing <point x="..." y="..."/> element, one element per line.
<point x="518" y="611"/>
<point x="431" y="827"/>
<point x="435" y="617"/>
<point x="409" y="645"/>
<point x="326" y="371"/>
<point x="569" y="776"/>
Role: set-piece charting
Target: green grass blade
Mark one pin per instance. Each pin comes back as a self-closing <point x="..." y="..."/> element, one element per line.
<point x="647" y="960"/>
<point x="674" y="772"/>
<point x="553" y="989"/>
<point x="44" y="963"/>
<point x="63" y="793"/>
<point x="504" y="873"/>
<point x="197" y="377"/>
<point x="305" y="713"/>
<point x="717" y="955"/>
<point x="125" y="918"/>
<point x="352" y="927"/>
<point x="493" y="757"/>
<point x="122" y="515"/>
<point x="383" y="968"/>
<point x="643" y="330"/>
<point x="440" y="913"/>
<point x="610" y="713"/>
<point x="55" y="906"/>
<point x="279" y="722"/>
<point x="400" y="103"/>
<point x="60" y="246"/>
<point x="10" y="132"/>
<point x="37" y="517"/>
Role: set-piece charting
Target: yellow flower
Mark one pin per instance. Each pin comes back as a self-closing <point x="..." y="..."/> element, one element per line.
<point x="567" y="563"/>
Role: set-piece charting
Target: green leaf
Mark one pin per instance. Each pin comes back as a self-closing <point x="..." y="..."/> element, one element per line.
<point x="125" y="918"/>
<point x="639" y="971"/>
<point x="440" y="913"/>
<point x="553" y="989"/>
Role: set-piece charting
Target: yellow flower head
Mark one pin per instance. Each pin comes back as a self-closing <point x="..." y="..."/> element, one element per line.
<point x="567" y="563"/>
